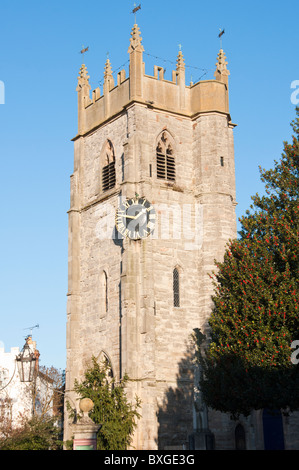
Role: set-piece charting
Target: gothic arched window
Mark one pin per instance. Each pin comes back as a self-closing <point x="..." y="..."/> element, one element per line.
<point x="107" y="365"/>
<point x="108" y="170"/>
<point x="176" y="288"/>
<point x="165" y="158"/>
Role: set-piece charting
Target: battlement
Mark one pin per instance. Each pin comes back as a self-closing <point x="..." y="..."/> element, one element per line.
<point x="172" y="96"/>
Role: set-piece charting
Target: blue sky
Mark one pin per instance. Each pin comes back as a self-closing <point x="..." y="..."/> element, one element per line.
<point x="39" y="64"/>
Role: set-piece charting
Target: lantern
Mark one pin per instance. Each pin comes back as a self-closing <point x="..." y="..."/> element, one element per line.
<point x="26" y="361"/>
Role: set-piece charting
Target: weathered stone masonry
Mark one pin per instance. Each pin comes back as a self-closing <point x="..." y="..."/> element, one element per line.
<point x="120" y="294"/>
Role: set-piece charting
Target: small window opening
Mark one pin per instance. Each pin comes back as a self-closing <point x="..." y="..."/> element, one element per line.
<point x="105" y="292"/>
<point x="222" y="161"/>
<point x="176" y="288"/>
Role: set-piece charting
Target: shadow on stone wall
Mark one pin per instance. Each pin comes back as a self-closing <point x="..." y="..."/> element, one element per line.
<point x="175" y="413"/>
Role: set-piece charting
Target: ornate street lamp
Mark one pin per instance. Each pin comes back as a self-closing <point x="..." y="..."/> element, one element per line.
<point x="26" y="361"/>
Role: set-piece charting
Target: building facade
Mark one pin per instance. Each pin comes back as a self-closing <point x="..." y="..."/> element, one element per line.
<point x="138" y="287"/>
<point x="152" y="205"/>
<point x="21" y="399"/>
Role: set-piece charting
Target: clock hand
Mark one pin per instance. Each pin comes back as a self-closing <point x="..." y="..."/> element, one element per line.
<point x="140" y="213"/>
<point x="135" y="216"/>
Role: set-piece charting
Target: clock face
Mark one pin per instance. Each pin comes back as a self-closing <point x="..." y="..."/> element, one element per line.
<point x="135" y="218"/>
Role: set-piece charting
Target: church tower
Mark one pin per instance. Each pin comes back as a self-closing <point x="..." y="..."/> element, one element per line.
<point x="152" y="205"/>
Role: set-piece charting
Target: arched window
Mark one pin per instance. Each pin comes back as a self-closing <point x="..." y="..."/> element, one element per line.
<point x="240" y="437"/>
<point x="105" y="291"/>
<point x="104" y="301"/>
<point x="106" y="363"/>
<point x="165" y="158"/>
<point x="176" y="288"/>
<point x="108" y="170"/>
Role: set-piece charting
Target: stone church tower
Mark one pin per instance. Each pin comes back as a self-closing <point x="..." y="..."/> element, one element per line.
<point x="152" y="206"/>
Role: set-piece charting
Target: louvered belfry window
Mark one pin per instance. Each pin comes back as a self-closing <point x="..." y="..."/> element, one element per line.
<point x="165" y="159"/>
<point x="108" y="171"/>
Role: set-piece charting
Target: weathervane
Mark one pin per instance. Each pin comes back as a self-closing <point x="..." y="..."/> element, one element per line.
<point x="220" y="36"/>
<point x="135" y="10"/>
<point x="83" y="51"/>
<point x="31" y="328"/>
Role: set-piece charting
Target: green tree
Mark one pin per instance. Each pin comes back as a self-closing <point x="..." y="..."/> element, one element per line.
<point x="37" y="433"/>
<point x="41" y="429"/>
<point x="112" y="410"/>
<point x="247" y="363"/>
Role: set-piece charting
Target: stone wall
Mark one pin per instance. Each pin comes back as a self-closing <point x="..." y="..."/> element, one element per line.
<point x="142" y="333"/>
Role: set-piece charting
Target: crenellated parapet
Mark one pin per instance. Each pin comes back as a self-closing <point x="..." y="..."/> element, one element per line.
<point x="172" y="96"/>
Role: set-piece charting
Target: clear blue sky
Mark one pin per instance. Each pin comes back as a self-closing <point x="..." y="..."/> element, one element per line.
<point x="39" y="64"/>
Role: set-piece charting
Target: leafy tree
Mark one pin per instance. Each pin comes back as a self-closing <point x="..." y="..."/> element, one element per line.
<point x="34" y="434"/>
<point x="39" y="427"/>
<point x="112" y="410"/>
<point x="247" y="363"/>
<point x="48" y="393"/>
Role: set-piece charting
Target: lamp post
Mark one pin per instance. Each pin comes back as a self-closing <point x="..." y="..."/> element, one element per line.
<point x="26" y="361"/>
